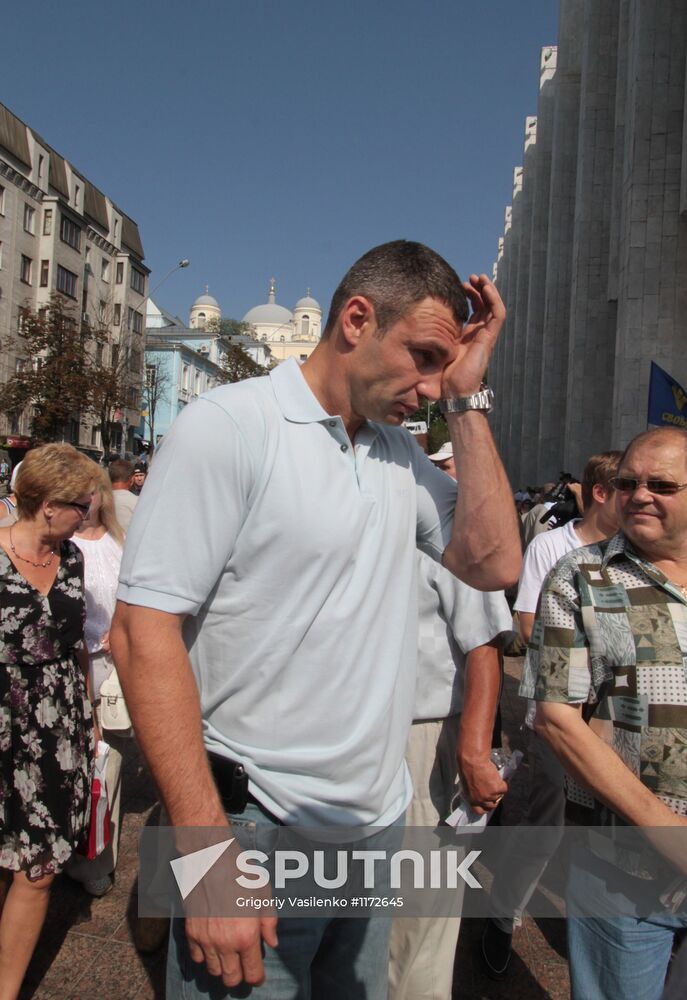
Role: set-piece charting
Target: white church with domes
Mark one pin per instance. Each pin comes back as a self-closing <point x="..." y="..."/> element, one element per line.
<point x="287" y="334"/>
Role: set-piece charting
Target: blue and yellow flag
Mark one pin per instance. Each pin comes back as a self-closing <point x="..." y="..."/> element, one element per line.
<point x="667" y="400"/>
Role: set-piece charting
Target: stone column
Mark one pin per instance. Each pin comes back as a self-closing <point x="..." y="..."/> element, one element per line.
<point x="553" y="401"/>
<point x="652" y="260"/>
<point x="537" y="269"/>
<point x="520" y="319"/>
<point x="591" y="360"/>
<point x="511" y="303"/>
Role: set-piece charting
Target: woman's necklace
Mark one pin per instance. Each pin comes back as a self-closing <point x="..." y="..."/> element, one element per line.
<point x="38" y="565"/>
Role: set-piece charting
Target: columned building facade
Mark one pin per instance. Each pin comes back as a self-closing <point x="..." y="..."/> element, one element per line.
<point x="592" y="264"/>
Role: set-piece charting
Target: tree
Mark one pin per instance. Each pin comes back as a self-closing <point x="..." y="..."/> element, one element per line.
<point x="437" y="428"/>
<point x="108" y="387"/>
<point x="239" y="365"/>
<point x="230" y="328"/>
<point x="157" y="383"/>
<point x="53" y="369"/>
<point x="66" y="368"/>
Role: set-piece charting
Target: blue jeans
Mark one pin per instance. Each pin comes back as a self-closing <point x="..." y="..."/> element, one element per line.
<point x="317" y="958"/>
<point x="614" y="957"/>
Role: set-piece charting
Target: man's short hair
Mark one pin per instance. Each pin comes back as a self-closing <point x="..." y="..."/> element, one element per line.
<point x="120" y="470"/>
<point x="395" y="277"/>
<point x="656" y="432"/>
<point x="599" y="471"/>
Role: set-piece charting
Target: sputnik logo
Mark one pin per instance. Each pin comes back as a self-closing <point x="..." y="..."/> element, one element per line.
<point x="190" y="869"/>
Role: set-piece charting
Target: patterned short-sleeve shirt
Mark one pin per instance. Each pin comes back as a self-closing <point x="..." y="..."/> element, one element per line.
<point x="611" y="630"/>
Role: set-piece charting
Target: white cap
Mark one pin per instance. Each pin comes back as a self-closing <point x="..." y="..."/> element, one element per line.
<point x="446" y="451"/>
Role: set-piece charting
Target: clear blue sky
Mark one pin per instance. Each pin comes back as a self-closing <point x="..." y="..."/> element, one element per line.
<point x="284" y="137"/>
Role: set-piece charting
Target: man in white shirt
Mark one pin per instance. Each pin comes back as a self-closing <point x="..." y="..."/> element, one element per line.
<point x="519" y="870"/>
<point x="293" y="590"/>
<point x="460" y="634"/>
<point x="121" y="474"/>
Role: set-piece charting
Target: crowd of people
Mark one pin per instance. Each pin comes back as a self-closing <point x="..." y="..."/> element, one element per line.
<point x="321" y="645"/>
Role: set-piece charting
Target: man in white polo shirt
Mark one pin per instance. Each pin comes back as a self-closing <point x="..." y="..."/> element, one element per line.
<point x="294" y="592"/>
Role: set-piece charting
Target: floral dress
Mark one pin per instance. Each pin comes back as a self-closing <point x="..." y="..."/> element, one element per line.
<point x="46" y="733"/>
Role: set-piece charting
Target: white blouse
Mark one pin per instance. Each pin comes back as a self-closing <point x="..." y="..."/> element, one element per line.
<point x="102" y="557"/>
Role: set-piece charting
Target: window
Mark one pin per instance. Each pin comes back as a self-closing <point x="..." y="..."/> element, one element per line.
<point x="2" y="200"/>
<point x="305" y="326"/>
<point x="20" y="365"/>
<point x="45" y="268"/>
<point x="105" y="269"/>
<point x="94" y="437"/>
<point x="0" y="255"/>
<point x="77" y="195"/>
<point x="185" y="377"/>
<point x="151" y="376"/>
<point x="66" y="281"/>
<point x="115" y="355"/>
<point x="117" y="314"/>
<point x="29" y="219"/>
<point x="25" y="270"/>
<point x="197" y="383"/>
<point x="14" y="422"/>
<point x="99" y="354"/>
<point x="41" y="164"/>
<point x="135" y="321"/>
<point x="47" y="222"/>
<point x="102" y="311"/>
<point x="120" y="272"/>
<point x="137" y="280"/>
<point x="135" y="361"/>
<point x="70" y="233"/>
<point x="302" y="357"/>
<point x="22" y="319"/>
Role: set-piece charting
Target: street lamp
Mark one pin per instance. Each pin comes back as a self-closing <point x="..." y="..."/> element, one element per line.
<point x="184" y="262"/>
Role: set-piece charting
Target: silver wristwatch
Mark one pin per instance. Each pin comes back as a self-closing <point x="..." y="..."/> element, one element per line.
<point x="482" y="400"/>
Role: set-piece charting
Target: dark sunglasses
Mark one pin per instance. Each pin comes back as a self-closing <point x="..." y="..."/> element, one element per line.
<point x="661" y="487"/>
<point x="83" y="508"/>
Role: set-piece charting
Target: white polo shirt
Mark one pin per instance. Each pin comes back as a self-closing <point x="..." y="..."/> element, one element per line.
<point x="296" y="566"/>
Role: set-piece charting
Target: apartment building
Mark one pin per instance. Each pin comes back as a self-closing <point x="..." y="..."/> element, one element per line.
<point x="59" y="233"/>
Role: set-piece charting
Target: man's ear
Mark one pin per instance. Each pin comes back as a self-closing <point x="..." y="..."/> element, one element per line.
<point x="601" y="493"/>
<point x="357" y="318"/>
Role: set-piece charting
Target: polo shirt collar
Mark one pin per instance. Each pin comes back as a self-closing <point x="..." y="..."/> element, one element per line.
<point x="294" y="396"/>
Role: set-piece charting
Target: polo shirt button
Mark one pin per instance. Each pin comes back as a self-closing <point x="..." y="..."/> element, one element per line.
<point x="344" y="447"/>
<point x="332" y="423"/>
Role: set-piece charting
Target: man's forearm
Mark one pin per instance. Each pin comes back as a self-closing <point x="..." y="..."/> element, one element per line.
<point x="597" y="767"/>
<point x="484" y="550"/>
<point x="480" y="699"/>
<point x="162" y="698"/>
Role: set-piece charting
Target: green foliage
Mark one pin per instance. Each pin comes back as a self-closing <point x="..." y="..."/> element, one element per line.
<point x="437" y="430"/>
<point x="61" y="378"/>
<point x="240" y="365"/>
<point x="55" y="377"/>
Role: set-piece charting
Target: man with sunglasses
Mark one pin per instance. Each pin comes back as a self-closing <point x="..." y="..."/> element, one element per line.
<point x="611" y="633"/>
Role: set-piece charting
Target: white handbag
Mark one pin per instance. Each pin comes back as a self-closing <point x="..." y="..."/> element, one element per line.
<point x="113" y="711"/>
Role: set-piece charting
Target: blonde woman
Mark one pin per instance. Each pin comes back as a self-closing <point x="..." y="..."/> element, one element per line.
<point x="46" y="729"/>
<point x="100" y="539"/>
